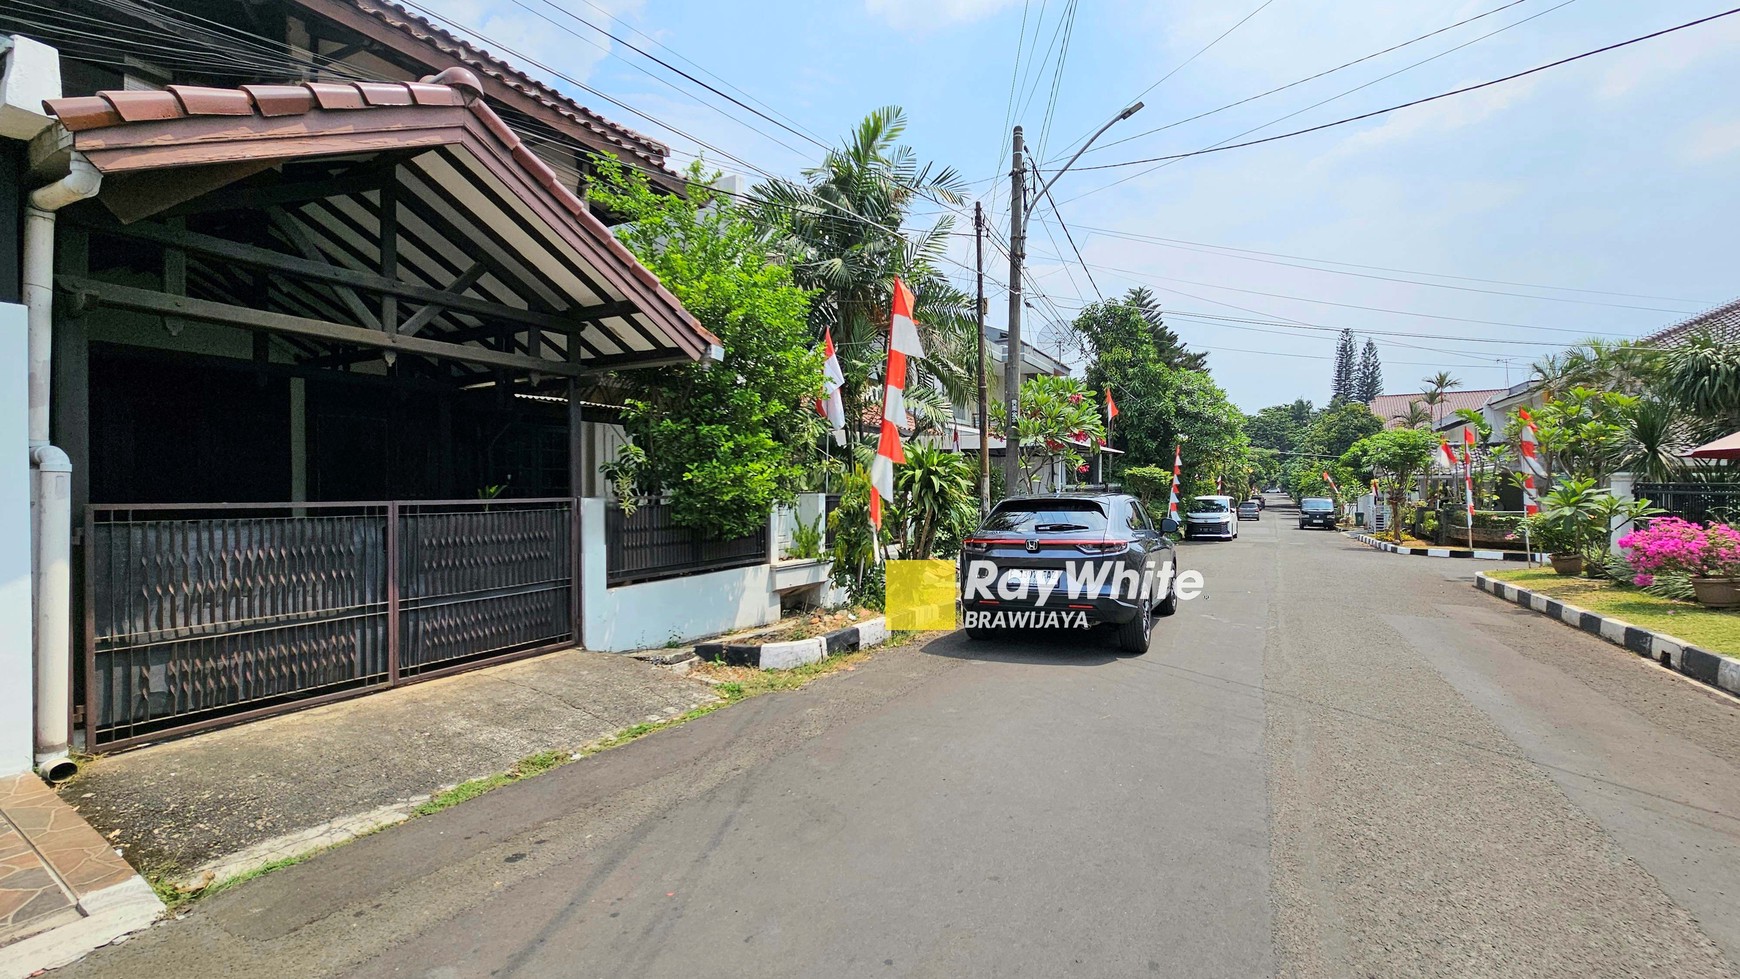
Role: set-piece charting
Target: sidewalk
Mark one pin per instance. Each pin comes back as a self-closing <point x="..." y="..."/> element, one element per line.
<point x="63" y="890"/>
<point x="210" y="806"/>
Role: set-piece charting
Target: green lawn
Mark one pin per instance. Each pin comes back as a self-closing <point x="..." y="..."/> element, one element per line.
<point x="1705" y="628"/>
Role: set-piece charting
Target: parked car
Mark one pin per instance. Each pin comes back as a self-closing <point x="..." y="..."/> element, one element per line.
<point x="1314" y="511"/>
<point x="1250" y="510"/>
<point x="1211" y="516"/>
<point x="1261" y="503"/>
<point x="1074" y="535"/>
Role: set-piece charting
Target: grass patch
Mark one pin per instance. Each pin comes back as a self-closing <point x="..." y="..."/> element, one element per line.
<point x="526" y="767"/>
<point x="1715" y="630"/>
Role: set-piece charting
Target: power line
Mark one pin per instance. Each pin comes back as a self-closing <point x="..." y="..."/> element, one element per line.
<point x="1417" y="102"/>
<point x="1210" y="249"/>
<point x="1309" y="78"/>
<point x="1071" y="239"/>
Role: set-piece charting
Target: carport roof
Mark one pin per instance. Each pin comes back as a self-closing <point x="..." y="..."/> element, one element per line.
<point x="474" y="191"/>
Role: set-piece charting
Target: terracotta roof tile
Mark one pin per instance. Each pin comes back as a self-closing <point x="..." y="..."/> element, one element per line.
<point x="200" y="101"/>
<point x="643" y="148"/>
<point x="1722" y="323"/>
<point x="454" y="88"/>
<point x="1390" y="406"/>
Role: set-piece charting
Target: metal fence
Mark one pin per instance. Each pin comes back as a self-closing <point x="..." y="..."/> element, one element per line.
<point x="649" y="544"/>
<point x="201" y="615"/>
<point x="1698" y="502"/>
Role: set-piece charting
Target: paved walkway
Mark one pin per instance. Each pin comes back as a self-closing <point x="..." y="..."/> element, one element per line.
<point x="63" y="889"/>
<point x="216" y="804"/>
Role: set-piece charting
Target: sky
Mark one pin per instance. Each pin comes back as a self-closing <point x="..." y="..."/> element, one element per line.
<point x="1464" y="229"/>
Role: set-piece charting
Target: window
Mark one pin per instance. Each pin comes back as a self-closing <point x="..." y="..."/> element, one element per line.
<point x="1048" y="516"/>
<point x="1139" y="517"/>
<point x="1209" y="504"/>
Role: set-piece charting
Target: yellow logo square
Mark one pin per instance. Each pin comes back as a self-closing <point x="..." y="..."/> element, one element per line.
<point x="921" y="595"/>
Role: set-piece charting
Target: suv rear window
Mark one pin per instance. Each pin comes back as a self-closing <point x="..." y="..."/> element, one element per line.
<point x="1316" y="506"/>
<point x="1208" y="504"/>
<point x="1048" y="516"/>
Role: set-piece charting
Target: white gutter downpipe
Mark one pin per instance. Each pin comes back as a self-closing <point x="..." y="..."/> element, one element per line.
<point x="51" y="488"/>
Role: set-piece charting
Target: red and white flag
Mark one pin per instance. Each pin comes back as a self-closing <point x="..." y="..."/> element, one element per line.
<point x="833" y="403"/>
<point x="903" y="343"/>
<point x="1111" y="406"/>
<point x="1531" y="463"/>
<point x="1468" y="475"/>
<point x="1449" y="453"/>
<point x="1177" y="469"/>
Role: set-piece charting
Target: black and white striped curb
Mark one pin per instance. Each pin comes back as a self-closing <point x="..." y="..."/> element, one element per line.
<point x="797" y="652"/>
<point x="1717" y="671"/>
<point x="1478" y="554"/>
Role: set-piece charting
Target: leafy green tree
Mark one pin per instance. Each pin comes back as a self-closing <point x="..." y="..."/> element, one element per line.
<point x="1280" y="427"/>
<point x="1134" y="322"/>
<point x="1396" y="458"/>
<point x="724" y="441"/>
<point x="1582" y="432"/>
<point x="1337" y="428"/>
<point x="847" y="229"/>
<point x="1702" y="378"/>
<point x="1056" y="413"/>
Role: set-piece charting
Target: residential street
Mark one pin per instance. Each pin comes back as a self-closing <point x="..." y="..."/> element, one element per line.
<point x="1336" y="763"/>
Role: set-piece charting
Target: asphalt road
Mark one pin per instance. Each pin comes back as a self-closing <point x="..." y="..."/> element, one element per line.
<point x="1336" y="763"/>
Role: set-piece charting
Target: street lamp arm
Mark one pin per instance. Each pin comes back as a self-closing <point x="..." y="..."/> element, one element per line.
<point x="1120" y="117"/>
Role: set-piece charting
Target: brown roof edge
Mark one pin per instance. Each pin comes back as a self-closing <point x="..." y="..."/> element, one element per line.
<point x="435" y="46"/>
<point x="445" y="91"/>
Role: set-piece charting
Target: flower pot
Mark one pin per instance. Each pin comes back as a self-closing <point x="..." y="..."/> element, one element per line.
<point x="1568" y="564"/>
<point x="1717" y="592"/>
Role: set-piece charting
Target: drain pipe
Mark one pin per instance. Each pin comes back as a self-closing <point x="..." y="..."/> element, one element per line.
<point x="51" y="485"/>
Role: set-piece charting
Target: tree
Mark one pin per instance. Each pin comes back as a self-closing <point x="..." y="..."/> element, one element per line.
<point x="1167" y="345"/>
<point x="938" y="497"/>
<point x="1336" y="429"/>
<point x="1418" y="415"/>
<point x="1134" y="322"/>
<point x="1582" y="432"/>
<point x="1702" y="378"/>
<point x="1280" y="427"/>
<point x="1056" y="414"/>
<point x="1370" y="381"/>
<point x="1436" y="387"/>
<point x="1396" y="458"/>
<point x="1344" y="384"/>
<point x="725" y="441"/>
<point x="840" y="229"/>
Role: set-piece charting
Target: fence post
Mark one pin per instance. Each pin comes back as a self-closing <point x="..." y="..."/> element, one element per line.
<point x="392" y="594"/>
<point x="576" y="574"/>
<point x="1620" y="485"/>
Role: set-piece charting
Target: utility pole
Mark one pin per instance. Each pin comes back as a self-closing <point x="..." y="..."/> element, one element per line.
<point x="1012" y="366"/>
<point x="984" y="370"/>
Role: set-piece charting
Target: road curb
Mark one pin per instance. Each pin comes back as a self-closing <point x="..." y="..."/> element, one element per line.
<point x="1676" y="654"/>
<point x="798" y="652"/>
<point x="1477" y="554"/>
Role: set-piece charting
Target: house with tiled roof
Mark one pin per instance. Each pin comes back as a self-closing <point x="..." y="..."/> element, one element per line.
<point x="1393" y="408"/>
<point x="1721" y="324"/>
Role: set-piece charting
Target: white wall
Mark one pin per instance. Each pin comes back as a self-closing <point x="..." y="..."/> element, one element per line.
<point x="16" y="676"/>
<point x="650" y="615"/>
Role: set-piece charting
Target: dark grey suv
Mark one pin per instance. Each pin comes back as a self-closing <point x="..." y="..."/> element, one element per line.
<point x="1314" y="511"/>
<point x="1093" y="559"/>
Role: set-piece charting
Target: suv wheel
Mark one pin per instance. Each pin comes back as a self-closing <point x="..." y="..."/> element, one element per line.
<point x="1133" y="635"/>
<point x="1169" y="604"/>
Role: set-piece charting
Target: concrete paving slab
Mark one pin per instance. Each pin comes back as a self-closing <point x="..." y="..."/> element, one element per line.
<point x="323" y="775"/>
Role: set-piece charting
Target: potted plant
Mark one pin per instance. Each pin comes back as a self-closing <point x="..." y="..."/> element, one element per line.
<point x="1710" y="556"/>
<point x="1545" y="532"/>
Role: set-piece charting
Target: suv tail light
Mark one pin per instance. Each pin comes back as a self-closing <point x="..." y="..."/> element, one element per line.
<point x="1102" y="547"/>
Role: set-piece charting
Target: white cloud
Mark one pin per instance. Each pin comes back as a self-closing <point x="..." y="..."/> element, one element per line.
<point x="926" y="14"/>
<point x="1712" y="141"/>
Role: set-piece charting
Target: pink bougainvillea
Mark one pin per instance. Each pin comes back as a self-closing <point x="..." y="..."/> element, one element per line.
<point x="1672" y="544"/>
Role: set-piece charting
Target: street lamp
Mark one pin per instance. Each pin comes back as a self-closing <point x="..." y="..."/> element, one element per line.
<point x="1019" y="210"/>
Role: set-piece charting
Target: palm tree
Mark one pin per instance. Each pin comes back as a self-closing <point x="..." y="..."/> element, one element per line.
<point x="1436" y="386"/>
<point x="1417" y="415"/>
<point x="1654" y="444"/>
<point x="844" y="230"/>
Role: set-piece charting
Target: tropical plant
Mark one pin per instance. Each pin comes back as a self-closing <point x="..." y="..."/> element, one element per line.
<point x="1436" y="387"/>
<point x="846" y="230"/>
<point x="1582" y="432"/>
<point x="1395" y="458"/>
<point x="1419" y="413"/>
<point x="1577" y="517"/>
<point x="938" y="496"/>
<point x="1702" y="378"/>
<point x="806" y="542"/>
<point x="1671" y="545"/>
<point x="857" y="563"/>
<point x="1150" y="484"/>
<point x="1058" y="415"/>
<point x="722" y="442"/>
<point x="1652" y="441"/>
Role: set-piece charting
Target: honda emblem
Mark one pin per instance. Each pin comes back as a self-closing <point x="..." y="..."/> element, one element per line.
<point x="1032" y="545"/>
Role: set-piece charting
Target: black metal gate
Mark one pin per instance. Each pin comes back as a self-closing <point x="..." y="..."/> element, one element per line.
<point x="209" y="614"/>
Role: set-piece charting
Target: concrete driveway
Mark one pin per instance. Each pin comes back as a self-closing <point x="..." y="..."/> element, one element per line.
<point x="1337" y="763"/>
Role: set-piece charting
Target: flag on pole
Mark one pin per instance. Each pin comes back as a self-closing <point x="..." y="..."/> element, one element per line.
<point x="903" y="342"/>
<point x="1468" y="477"/>
<point x="1111" y="407"/>
<point x="1531" y="463"/>
<point x="833" y="404"/>
<point x="1177" y="469"/>
<point x="955" y="429"/>
<point x="1449" y="453"/>
<point x="1331" y="481"/>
